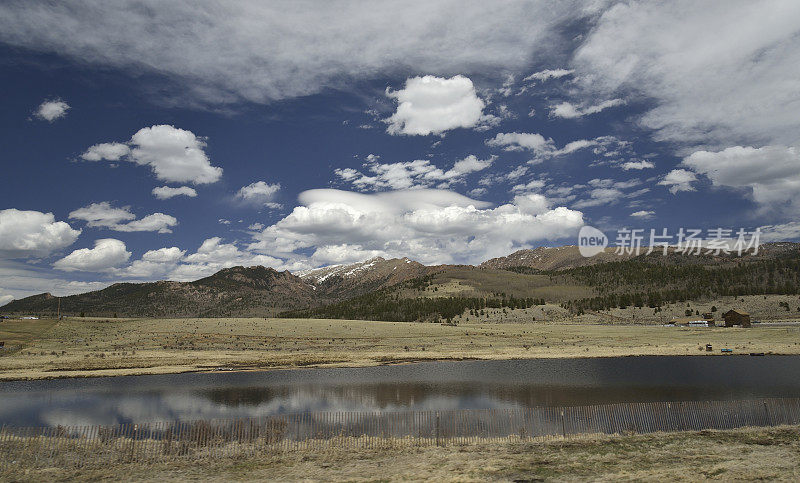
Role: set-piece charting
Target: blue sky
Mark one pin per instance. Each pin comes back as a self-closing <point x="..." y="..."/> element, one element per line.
<point x="297" y="135"/>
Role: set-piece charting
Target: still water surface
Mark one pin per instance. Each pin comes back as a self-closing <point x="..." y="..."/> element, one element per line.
<point x="421" y="386"/>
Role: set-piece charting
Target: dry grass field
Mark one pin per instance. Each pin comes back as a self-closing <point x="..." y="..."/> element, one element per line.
<point x="20" y="332"/>
<point x="80" y="347"/>
<point x="743" y="454"/>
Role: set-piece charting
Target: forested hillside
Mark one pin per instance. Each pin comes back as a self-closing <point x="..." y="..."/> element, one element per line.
<point x="236" y="291"/>
<point x="647" y="280"/>
<point x="652" y="281"/>
<point x="403" y="290"/>
<point x="388" y="304"/>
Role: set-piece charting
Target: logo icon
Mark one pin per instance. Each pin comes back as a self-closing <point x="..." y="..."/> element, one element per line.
<point x="591" y="241"/>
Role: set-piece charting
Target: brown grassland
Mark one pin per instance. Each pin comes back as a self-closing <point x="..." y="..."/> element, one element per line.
<point x="742" y="454"/>
<point x="80" y="347"/>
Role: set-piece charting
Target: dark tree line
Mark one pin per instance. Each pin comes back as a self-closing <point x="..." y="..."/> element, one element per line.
<point x="388" y="305"/>
<point x="387" y="308"/>
<point x="641" y="283"/>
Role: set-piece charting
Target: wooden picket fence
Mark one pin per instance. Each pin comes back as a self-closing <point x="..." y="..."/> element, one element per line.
<point x="158" y="441"/>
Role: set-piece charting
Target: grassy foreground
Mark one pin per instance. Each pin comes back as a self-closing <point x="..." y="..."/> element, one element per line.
<point x="80" y="347"/>
<point x="742" y="454"/>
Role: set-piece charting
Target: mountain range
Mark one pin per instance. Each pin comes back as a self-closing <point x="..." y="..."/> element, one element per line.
<point x="557" y="274"/>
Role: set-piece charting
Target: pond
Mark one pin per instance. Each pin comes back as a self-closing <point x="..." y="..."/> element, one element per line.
<point x="419" y="386"/>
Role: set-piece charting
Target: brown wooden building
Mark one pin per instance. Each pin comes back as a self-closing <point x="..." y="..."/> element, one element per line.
<point x="735" y="317"/>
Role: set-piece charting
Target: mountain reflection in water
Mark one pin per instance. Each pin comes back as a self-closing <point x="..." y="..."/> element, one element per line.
<point x="422" y="386"/>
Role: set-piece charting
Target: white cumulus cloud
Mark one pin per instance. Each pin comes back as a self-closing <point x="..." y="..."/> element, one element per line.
<point x="770" y="173"/>
<point x="153" y="264"/>
<point x="26" y="234"/>
<point x="51" y="110"/>
<point x="164" y="255"/>
<point x="175" y="155"/>
<point x="520" y="141"/>
<point x="344" y="253"/>
<point x="167" y="192"/>
<point x="433" y="226"/>
<point x="104" y="215"/>
<point x="106" y="151"/>
<point x="643" y="214"/>
<point x="155" y="222"/>
<point x="419" y="173"/>
<point x="679" y="180"/>
<point x="637" y="165"/>
<point x="260" y="193"/>
<point x="106" y="254"/>
<point x="433" y="105"/>
<point x="214" y="255"/>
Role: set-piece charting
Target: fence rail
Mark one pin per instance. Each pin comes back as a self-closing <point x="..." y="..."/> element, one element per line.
<point x="75" y="445"/>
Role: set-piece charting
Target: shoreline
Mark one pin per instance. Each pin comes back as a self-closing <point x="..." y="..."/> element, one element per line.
<point x="132" y="372"/>
<point x="48" y="349"/>
<point x="772" y="454"/>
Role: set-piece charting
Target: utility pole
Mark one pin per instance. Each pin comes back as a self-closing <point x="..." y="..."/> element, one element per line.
<point x="58" y="315"/>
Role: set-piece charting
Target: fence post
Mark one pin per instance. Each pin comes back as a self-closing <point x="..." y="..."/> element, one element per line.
<point x="4" y="459"/>
<point x="437" y="428"/>
<point x="297" y="428"/>
<point x="370" y="430"/>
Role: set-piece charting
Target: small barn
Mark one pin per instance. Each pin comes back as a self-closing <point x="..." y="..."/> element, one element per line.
<point x="735" y="317"/>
